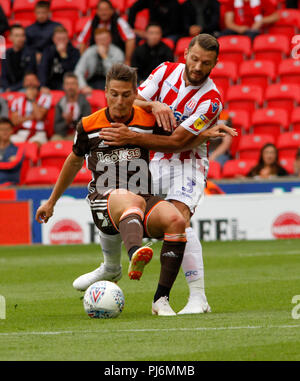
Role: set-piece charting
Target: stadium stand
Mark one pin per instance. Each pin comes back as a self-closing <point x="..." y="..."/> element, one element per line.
<point x="259" y="83"/>
<point x="41" y="176"/>
<point x="250" y="145"/>
<point x="83" y="176"/>
<point x="288" y="164"/>
<point x="53" y="154"/>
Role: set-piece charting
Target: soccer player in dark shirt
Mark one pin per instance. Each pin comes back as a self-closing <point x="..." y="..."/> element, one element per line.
<point x="119" y="206"/>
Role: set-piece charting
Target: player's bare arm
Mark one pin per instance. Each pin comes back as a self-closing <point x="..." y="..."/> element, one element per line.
<point x="181" y="139"/>
<point x="69" y="170"/>
<point x="163" y="114"/>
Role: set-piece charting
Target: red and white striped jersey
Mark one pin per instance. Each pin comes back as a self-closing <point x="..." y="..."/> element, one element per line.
<point x="195" y="108"/>
<point x="124" y="30"/>
<point x="24" y="107"/>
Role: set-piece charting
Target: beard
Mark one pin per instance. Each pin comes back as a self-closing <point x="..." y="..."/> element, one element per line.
<point x="196" y="82"/>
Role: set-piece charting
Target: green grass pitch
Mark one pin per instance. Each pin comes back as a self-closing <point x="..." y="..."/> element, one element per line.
<point x="249" y="285"/>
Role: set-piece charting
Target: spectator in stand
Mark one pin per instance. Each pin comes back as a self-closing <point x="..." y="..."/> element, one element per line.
<point x="166" y="13"/>
<point x="3" y="108"/>
<point x="152" y="53"/>
<point x="29" y="112"/>
<point x="106" y="17"/>
<point x="297" y="164"/>
<point x="11" y="157"/>
<point x="59" y="59"/>
<point x="3" y="22"/>
<point x="39" y="34"/>
<point x="96" y="61"/>
<point x="248" y="17"/>
<point x="219" y="148"/>
<point x="200" y="17"/>
<point x="19" y="60"/>
<point x="70" y="109"/>
<point x="268" y="165"/>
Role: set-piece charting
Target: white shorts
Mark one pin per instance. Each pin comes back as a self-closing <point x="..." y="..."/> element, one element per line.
<point x="22" y="135"/>
<point x="181" y="181"/>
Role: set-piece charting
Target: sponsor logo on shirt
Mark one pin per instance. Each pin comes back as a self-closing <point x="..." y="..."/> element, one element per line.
<point x="201" y="122"/>
<point x="119" y="155"/>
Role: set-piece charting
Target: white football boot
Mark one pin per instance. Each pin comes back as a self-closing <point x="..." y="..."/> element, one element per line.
<point x="162" y="307"/>
<point x="197" y="304"/>
<point x="101" y="273"/>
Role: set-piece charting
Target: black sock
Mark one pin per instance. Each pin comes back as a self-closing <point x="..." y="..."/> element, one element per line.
<point x="161" y="291"/>
<point x="132" y="250"/>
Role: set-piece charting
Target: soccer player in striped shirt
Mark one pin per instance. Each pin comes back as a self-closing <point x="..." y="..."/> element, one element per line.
<point x="185" y="100"/>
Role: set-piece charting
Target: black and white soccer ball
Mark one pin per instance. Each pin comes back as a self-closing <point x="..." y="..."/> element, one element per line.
<point x="103" y="300"/>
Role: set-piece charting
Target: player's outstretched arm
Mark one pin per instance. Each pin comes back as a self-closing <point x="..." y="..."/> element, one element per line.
<point x="69" y="170"/>
<point x="181" y="139"/>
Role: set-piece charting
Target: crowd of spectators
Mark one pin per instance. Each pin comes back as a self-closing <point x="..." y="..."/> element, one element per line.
<point x="43" y="57"/>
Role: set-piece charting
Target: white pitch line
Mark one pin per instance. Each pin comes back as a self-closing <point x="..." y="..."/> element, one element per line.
<point x="148" y="330"/>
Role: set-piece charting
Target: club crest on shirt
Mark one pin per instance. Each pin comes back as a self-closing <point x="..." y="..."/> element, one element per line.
<point x="214" y="107"/>
<point x="189" y="107"/>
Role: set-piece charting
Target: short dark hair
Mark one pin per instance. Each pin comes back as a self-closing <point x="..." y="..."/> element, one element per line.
<point x="206" y="41"/>
<point x="42" y="4"/>
<point x="5" y="120"/>
<point x="153" y="24"/>
<point x="16" y="26"/>
<point x="70" y="74"/>
<point x="122" y="72"/>
<point x="60" y="29"/>
<point x="106" y="1"/>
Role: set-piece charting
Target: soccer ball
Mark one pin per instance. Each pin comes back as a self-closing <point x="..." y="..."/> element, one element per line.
<point x="103" y="300"/>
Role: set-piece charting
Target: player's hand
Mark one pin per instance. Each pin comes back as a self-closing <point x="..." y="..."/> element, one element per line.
<point x="44" y="212"/>
<point x="116" y="135"/>
<point x="219" y="130"/>
<point x="164" y="116"/>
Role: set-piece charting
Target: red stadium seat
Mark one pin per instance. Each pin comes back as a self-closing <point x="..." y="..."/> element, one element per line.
<point x="5" y="4"/>
<point x="215" y="170"/>
<point x="141" y="20"/>
<point x="234" y="48"/>
<point x="97" y="100"/>
<point x="30" y="158"/>
<point x="271" y="47"/>
<point x="250" y="145"/>
<point x="170" y="43"/>
<point x="241" y="122"/>
<point x="56" y="95"/>
<point x="270" y="121"/>
<point x="244" y="97"/>
<point x="54" y="153"/>
<point x="10" y="96"/>
<point x="288" y="164"/>
<point x="288" y="23"/>
<point x="70" y="9"/>
<point x="24" y="22"/>
<point x="289" y="71"/>
<point x="24" y="9"/>
<point x="256" y="72"/>
<point x="41" y="176"/>
<point x="295" y="119"/>
<point x="79" y="25"/>
<point x="285" y="96"/>
<point x="236" y="168"/>
<point x="288" y="144"/>
<point x="68" y="24"/>
<point x="224" y="74"/>
<point x="84" y="176"/>
<point x="181" y="45"/>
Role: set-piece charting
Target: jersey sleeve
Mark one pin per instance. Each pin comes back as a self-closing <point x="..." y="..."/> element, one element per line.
<point x="206" y="115"/>
<point x="150" y="88"/>
<point x="125" y="30"/>
<point x="81" y="141"/>
<point x="45" y="101"/>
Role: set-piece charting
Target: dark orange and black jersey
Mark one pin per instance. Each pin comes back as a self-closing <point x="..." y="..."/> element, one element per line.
<point x="115" y="167"/>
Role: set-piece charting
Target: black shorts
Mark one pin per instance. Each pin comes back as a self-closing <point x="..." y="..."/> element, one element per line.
<point x="102" y="218"/>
